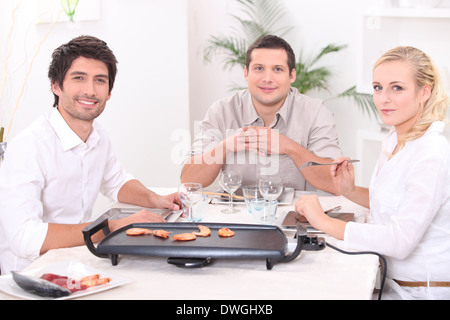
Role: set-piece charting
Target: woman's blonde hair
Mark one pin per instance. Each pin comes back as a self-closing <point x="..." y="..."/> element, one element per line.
<point x="426" y="73"/>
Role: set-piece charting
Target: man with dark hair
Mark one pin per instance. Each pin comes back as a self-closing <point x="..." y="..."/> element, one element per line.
<point x="54" y="170"/>
<point x="84" y="46"/>
<point x="267" y="129"/>
<point x="271" y="42"/>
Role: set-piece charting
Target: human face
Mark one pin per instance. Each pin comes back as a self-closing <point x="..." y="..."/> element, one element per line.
<point x="269" y="78"/>
<point x="396" y="96"/>
<point x="85" y="91"/>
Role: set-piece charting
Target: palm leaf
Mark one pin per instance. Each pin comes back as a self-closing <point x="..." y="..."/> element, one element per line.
<point x="363" y="100"/>
<point x="259" y="18"/>
<point x="231" y="49"/>
<point x="331" y="48"/>
<point x="262" y="17"/>
<point x="309" y="77"/>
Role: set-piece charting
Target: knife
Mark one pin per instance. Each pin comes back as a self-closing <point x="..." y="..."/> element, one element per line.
<point x="223" y="194"/>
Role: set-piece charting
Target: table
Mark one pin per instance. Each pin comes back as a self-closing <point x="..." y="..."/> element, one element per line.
<point x="325" y="274"/>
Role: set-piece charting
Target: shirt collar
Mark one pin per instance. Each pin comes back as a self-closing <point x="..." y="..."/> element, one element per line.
<point x="436" y="126"/>
<point x="69" y="139"/>
<point x="286" y="109"/>
<point x="250" y="116"/>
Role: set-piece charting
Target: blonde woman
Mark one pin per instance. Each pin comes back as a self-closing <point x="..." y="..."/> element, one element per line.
<point x="409" y="194"/>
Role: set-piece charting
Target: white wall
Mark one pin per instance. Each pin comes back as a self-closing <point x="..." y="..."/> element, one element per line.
<point x="150" y="100"/>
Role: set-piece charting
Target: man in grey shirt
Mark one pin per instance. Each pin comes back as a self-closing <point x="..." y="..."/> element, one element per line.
<point x="268" y="129"/>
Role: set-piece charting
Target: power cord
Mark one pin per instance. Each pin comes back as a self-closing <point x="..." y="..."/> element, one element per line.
<point x="384" y="264"/>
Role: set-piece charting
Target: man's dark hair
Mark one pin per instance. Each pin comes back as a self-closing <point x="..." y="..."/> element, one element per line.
<point x="83" y="46"/>
<point x="271" y="42"/>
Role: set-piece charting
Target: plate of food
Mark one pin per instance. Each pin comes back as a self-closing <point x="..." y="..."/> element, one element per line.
<point x="64" y="280"/>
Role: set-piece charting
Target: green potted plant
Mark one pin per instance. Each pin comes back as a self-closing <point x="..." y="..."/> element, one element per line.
<point x="261" y="18"/>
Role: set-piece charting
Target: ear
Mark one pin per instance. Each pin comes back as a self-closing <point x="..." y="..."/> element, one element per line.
<point x="425" y="93"/>
<point x="56" y="88"/>
<point x="293" y="76"/>
<point x="245" y="73"/>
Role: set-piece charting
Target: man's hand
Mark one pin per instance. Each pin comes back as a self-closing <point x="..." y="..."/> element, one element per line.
<point x="134" y="192"/>
<point x="263" y="140"/>
<point x="171" y="201"/>
<point x="143" y="216"/>
<point x="66" y="236"/>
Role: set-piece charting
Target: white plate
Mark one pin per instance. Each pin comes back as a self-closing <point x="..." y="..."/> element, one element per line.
<point x="288" y="196"/>
<point x="70" y="269"/>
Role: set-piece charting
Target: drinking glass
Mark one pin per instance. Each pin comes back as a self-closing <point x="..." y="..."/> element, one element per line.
<point x="197" y="211"/>
<point x="190" y="194"/>
<point x="230" y="181"/>
<point x="271" y="188"/>
<point x="250" y="193"/>
<point x="256" y="204"/>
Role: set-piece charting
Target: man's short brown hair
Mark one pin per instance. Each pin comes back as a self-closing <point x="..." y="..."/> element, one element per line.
<point x="83" y="46"/>
<point x="271" y="42"/>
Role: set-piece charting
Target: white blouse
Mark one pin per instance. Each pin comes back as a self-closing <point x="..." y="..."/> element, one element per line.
<point x="410" y="206"/>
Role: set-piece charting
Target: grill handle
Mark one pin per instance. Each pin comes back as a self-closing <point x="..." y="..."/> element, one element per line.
<point x="301" y="236"/>
<point x="101" y="224"/>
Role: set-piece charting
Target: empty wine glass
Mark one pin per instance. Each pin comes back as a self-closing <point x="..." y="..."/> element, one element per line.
<point x="230" y="181"/>
<point x="271" y="188"/>
<point x="190" y="194"/>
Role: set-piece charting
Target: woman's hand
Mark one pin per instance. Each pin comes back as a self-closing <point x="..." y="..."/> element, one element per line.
<point x="344" y="176"/>
<point x="311" y="209"/>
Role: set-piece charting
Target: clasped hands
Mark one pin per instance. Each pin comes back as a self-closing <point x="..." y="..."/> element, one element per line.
<point x="260" y="140"/>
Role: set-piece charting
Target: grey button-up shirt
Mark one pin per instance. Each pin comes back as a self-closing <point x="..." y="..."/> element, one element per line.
<point x="301" y="118"/>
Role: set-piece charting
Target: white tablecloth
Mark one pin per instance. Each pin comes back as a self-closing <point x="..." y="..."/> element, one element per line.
<point x="325" y="274"/>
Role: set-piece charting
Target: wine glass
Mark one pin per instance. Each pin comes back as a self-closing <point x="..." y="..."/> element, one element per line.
<point x="230" y="181"/>
<point x="271" y="188"/>
<point x="190" y="194"/>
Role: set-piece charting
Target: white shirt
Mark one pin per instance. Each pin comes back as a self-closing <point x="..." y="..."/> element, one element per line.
<point x="49" y="175"/>
<point x="410" y="206"/>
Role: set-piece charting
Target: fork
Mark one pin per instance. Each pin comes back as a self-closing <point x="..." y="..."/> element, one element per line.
<point x="313" y="163"/>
